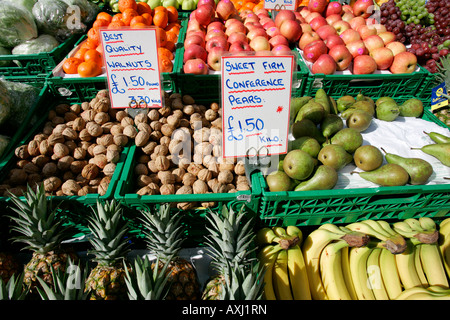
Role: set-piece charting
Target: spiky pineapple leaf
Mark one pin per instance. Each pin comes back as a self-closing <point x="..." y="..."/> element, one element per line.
<point x="13" y="289"/>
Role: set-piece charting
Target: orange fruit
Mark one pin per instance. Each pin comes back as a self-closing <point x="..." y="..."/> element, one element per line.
<point x="89" y="69"/>
<point x="165" y="65"/>
<point x="80" y="53"/>
<point x="105" y="16"/>
<point x="148" y="17"/>
<point x="137" y="19"/>
<point x="89" y="44"/>
<point x="158" y="9"/>
<point x="172" y="13"/>
<point x="93" y="55"/>
<point x="139" y="25"/>
<point x="116" y="17"/>
<point x="161" y="36"/>
<point x="171" y="36"/>
<point x="170" y="45"/>
<point x="98" y="23"/>
<point x="173" y="27"/>
<point x="116" y="24"/>
<point x="100" y="49"/>
<point x="143" y="7"/>
<point x="160" y="19"/>
<point x="94" y="36"/>
<point x="248" y="5"/>
<point x="127" y="4"/>
<point x="258" y="6"/>
<point x="164" y="52"/>
<point x="128" y="15"/>
<point x="70" y="65"/>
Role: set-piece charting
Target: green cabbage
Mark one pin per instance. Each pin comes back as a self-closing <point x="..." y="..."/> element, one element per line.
<point x="43" y="43"/>
<point x="88" y="11"/>
<point x="28" y="4"/>
<point x="16" y="25"/>
<point x="5" y="52"/>
<point x="5" y="103"/>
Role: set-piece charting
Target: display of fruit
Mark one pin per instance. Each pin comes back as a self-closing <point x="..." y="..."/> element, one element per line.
<point x="365" y="260"/>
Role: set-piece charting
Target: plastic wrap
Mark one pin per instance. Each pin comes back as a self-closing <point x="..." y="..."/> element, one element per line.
<point x="88" y="10"/>
<point x="4" y="52"/>
<point x="16" y="25"/>
<point x="43" y="43"/>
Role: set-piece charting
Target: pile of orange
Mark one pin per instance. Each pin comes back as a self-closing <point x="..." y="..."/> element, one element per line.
<point x="88" y="60"/>
<point x="252" y="5"/>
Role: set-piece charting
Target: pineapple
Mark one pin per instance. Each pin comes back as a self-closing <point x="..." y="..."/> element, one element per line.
<point x="108" y="228"/>
<point x="13" y="289"/>
<point x="243" y="283"/>
<point x="229" y="241"/>
<point x="43" y="232"/>
<point x="164" y="236"/>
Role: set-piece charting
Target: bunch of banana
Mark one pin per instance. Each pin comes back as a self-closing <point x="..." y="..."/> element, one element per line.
<point x="429" y="293"/>
<point x="444" y="243"/>
<point x="285" y="277"/>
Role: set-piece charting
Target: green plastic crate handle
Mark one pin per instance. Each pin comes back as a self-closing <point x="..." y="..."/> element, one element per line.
<point x="395" y="198"/>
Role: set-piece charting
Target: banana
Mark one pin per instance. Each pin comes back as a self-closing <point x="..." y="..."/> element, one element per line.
<point x="312" y="248"/>
<point x="389" y="274"/>
<point x="427" y="223"/>
<point x="420" y="293"/>
<point x="414" y="224"/>
<point x="387" y="227"/>
<point x="406" y="267"/>
<point x="358" y="261"/>
<point x="333" y="228"/>
<point x="428" y="296"/>
<point x="294" y="231"/>
<point x="267" y="256"/>
<point x="331" y="271"/>
<point x="444" y="222"/>
<point x="346" y="272"/>
<point x="280" y="275"/>
<point x="444" y="245"/>
<point x="367" y="229"/>
<point x="297" y="274"/>
<point x="404" y="229"/>
<point x="418" y="264"/>
<point x="433" y="266"/>
<point x="375" y="280"/>
<point x="279" y="231"/>
<point x="377" y="227"/>
<point x="266" y="236"/>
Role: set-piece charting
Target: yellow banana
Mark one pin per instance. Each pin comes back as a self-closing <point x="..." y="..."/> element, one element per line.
<point x="297" y="274"/>
<point x="333" y="228"/>
<point x="406" y="267"/>
<point x="444" y="245"/>
<point x="266" y="236"/>
<point x="279" y="231"/>
<point x="387" y="227"/>
<point x="312" y="248"/>
<point x="418" y="264"/>
<point x="377" y="227"/>
<point x="410" y="291"/>
<point x="331" y="271"/>
<point x="389" y="274"/>
<point x="358" y="261"/>
<point x="280" y="275"/>
<point x="428" y="296"/>
<point x="346" y="272"/>
<point x="267" y="257"/>
<point x="427" y="223"/>
<point x="375" y="280"/>
<point x="430" y="293"/>
<point x="295" y="231"/>
<point x="404" y="229"/>
<point x="414" y="224"/>
<point x="444" y="222"/>
<point x="432" y="265"/>
<point x="367" y="229"/>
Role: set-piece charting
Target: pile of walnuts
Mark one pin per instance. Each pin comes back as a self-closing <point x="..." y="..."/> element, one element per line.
<point x="76" y="152"/>
<point x="180" y="151"/>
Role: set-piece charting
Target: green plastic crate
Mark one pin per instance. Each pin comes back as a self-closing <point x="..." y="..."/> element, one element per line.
<point x="429" y="83"/>
<point x="36" y="66"/>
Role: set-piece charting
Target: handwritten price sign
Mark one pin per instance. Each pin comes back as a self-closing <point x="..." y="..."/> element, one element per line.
<point x="132" y="69"/>
<point x="256" y="92"/>
<point x="280" y="4"/>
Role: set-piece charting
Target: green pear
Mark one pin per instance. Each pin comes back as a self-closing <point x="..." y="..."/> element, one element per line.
<point x="333" y="105"/>
<point x="368" y="158"/>
<point x="313" y="111"/>
<point x="344" y="102"/>
<point x="419" y="170"/>
<point x="335" y="156"/>
<point x="322" y="98"/>
<point x="331" y="124"/>
<point x="359" y="120"/>
<point x="325" y="178"/>
<point x="411" y="108"/>
<point x="361" y="97"/>
<point x="387" y="175"/>
<point x="350" y="139"/>
<point x="383" y="99"/>
<point x="440" y="151"/>
<point x="296" y="104"/>
<point x="306" y="127"/>
<point x="278" y="181"/>
<point x="307" y="144"/>
<point x="387" y="111"/>
<point x="347" y="113"/>
<point x="438" y="137"/>
<point x="365" y="105"/>
<point x="298" y="164"/>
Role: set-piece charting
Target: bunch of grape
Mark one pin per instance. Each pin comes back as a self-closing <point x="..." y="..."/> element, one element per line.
<point x="391" y="19"/>
<point x="440" y="11"/>
<point x="414" y="11"/>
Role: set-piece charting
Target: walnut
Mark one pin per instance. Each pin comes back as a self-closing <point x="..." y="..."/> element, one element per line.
<point x="33" y="148"/>
<point x="202" y="135"/>
<point x="106" y="140"/>
<point x="107" y="127"/>
<point x="166" y="189"/>
<point x="102" y="104"/>
<point x="208" y="204"/>
<point x="75" y="108"/>
<point x="161" y="150"/>
<point x="210" y="115"/>
<point x="142" y="126"/>
<point x="143" y="180"/>
<point x="120" y="115"/>
<point x="63" y="163"/>
<point x="109" y="169"/>
<point x="70" y="116"/>
<point x="120" y="140"/>
<point x="94" y="129"/>
<point x="165" y="140"/>
<point x="45" y="148"/>
<point x="72" y="145"/>
<point x="90" y="171"/>
<point x="243" y="186"/>
<point x="100" y="161"/>
<point x="141" y="118"/>
<point x="194" y="168"/>
<point x="239" y="168"/>
<point x="149" y="147"/>
<point x="50" y="169"/>
<point x="166" y="177"/>
<point x="18" y="176"/>
<point x="153" y="115"/>
<point x="178" y="174"/>
<point x="217" y="150"/>
<point x="145" y="190"/>
<point x="130" y="131"/>
<point x="183" y="162"/>
<point x="152" y="166"/>
<point x="205" y="175"/>
<point x="156" y="135"/>
<point x="90" y="149"/>
<point x="70" y="188"/>
<point x="162" y="163"/>
<point x="85" y="106"/>
<point x="126" y="122"/>
<point x="52" y="184"/>
<point x="79" y="153"/>
<point x="225" y="177"/>
<point x="217" y="123"/>
<point x="99" y="149"/>
<point x="220" y="188"/>
<point x="112" y="155"/>
<point x="187" y="99"/>
<point x="84" y="135"/>
<point x="167" y="130"/>
<point x="156" y="125"/>
<point x="103" y="186"/>
<point x="116" y="129"/>
<point x="22" y="152"/>
<point x="101" y="118"/>
<point x="77" y="165"/>
<point x="40" y="160"/>
<point x="57" y="120"/>
<point x="103" y="93"/>
<point x="62" y="108"/>
<point x="189" y="179"/>
<point x="85" y="190"/>
<point x="174" y="120"/>
<point x="60" y="150"/>
<point x="185" y="189"/>
<point x="200" y="186"/>
<point x="154" y="186"/>
<point x="165" y="111"/>
<point x="88" y="115"/>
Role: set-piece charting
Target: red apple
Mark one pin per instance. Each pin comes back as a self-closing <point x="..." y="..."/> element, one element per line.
<point x="292" y="30"/>
<point x="268" y="24"/>
<point x="333" y="40"/>
<point x="283" y="15"/>
<point x="194" y="39"/>
<point x="215" y="57"/>
<point x="264" y="53"/>
<point x="272" y="32"/>
<point x="253" y="25"/>
<point x="230" y="21"/>
<point x="357" y="48"/>
<point x="306" y="27"/>
<point x="239" y="46"/>
<point x="259" y="43"/>
<point x="210" y="2"/>
<point x="363" y="8"/>
<point x="224" y="9"/>
<point x="237" y="36"/>
<point x="314" y="50"/>
<point x="278" y="40"/>
<point x="265" y="19"/>
<point x="204" y="14"/>
<point x="307" y="38"/>
<point x="379" y="27"/>
<point x="304" y="11"/>
<point x="347" y="16"/>
<point x="383" y="57"/>
<point x="333" y="18"/>
<point x="366" y="31"/>
<point x="237" y="26"/>
<point x="263" y="12"/>
<point x="215" y="42"/>
<point x="257" y="32"/>
<point x="342" y="56"/>
<point x="281" y="49"/>
<point x="373" y="42"/>
<point x="194" y="51"/>
<point x="333" y="8"/>
<point x="194" y="25"/>
<point x="215" y="33"/>
<point x="396" y="47"/>
<point x="341" y="26"/>
<point x="350" y="36"/>
<point x="364" y="64"/>
<point x="216" y="25"/>
<point x="317" y="22"/>
<point x="347" y="8"/>
<point x="326" y="31"/>
<point x="195" y="66"/>
<point x="317" y="5"/>
<point x="356" y="22"/>
<point x="325" y="64"/>
<point x="404" y="62"/>
<point x="387" y="37"/>
<point x="312" y="16"/>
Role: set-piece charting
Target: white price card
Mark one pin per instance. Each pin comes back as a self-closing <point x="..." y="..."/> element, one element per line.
<point x="256" y="96"/>
<point x="280" y="4"/>
<point x="132" y="70"/>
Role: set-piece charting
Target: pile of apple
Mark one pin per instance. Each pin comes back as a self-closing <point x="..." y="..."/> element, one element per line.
<point x="214" y="30"/>
<point x="343" y="37"/>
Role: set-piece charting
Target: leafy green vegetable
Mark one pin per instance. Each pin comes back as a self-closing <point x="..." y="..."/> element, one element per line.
<point x="43" y="43"/>
<point x="16" y="25"/>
